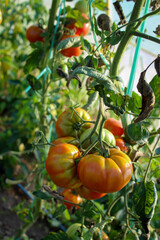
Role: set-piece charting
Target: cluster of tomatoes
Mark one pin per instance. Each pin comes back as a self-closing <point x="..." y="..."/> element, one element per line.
<point x="36" y="33"/>
<point x="88" y="173"/>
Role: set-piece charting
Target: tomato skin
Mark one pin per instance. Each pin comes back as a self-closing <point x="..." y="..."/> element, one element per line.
<point x="68" y="122"/>
<point x="33" y="34"/>
<point x="71" y="51"/>
<point x="121" y="144"/>
<point x="80" y="30"/>
<point x="68" y="139"/>
<point x="107" y="137"/>
<point x="89" y="194"/>
<point x="114" y="126"/>
<point x="70" y="196"/>
<point x="60" y="165"/>
<point x="105" y="175"/>
<point x="1" y="17"/>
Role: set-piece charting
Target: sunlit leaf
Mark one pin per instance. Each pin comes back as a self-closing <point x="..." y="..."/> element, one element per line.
<point x="100" y="78"/>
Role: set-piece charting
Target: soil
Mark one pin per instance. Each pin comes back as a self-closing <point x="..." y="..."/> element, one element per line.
<point x="10" y="223"/>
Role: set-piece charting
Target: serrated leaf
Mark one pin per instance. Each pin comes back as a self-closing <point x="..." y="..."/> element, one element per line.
<point x="144" y="197"/>
<point x="100" y="78"/>
<point x="156" y="89"/>
<point x="68" y="42"/>
<point x="137" y="132"/>
<point x="42" y="195"/>
<point x="57" y="236"/>
<point x="33" y="60"/>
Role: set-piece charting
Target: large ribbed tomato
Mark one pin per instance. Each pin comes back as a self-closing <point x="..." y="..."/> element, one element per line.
<point x="71" y="196"/>
<point x="105" y="175"/>
<point x="60" y="165"/>
<point x="70" y="123"/>
<point x="89" y="194"/>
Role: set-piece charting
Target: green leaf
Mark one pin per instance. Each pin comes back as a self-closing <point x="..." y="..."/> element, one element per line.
<point x="42" y="195"/>
<point x="57" y="236"/>
<point x="100" y="78"/>
<point x="59" y="210"/>
<point x="137" y="132"/>
<point x="115" y="38"/>
<point x="157" y="151"/>
<point x="34" y="82"/>
<point x="144" y="197"/>
<point x="85" y="44"/>
<point x="135" y="103"/>
<point x="68" y="42"/>
<point x="33" y="60"/>
<point x="156" y="89"/>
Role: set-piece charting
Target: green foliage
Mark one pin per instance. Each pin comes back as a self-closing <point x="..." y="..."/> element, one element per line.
<point x="144" y="197"/>
<point x="57" y="236"/>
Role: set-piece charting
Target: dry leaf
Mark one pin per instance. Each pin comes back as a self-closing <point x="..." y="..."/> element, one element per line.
<point x="148" y="98"/>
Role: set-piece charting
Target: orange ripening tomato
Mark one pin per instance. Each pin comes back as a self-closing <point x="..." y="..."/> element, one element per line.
<point x="121" y="144"/>
<point x="60" y="165"/>
<point x="33" y="34"/>
<point x="114" y="126"/>
<point x="105" y="175"/>
<point x="70" y="122"/>
<point x="71" y="51"/>
<point x="89" y="194"/>
<point x="71" y="196"/>
<point x="68" y="139"/>
<point x="84" y="30"/>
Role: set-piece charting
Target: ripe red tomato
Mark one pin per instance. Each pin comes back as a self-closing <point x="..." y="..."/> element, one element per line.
<point x="89" y="194"/>
<point x="33" y="34"/>
<point x="60" y="165"/>
<point x="71" y="196"/>
<point x="70" y="123"/>
<point x="114" y="126"/>
<point x="84" y="30"/>
<point x="105" y="175"/>
<point x="71" y="51"/>
<point x="121" y="144"/>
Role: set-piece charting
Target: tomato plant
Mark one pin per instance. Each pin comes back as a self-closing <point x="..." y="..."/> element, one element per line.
<point x="89" y="194"/>
<point x="114" y="126"/>
<point x="71" y="51"/>
<point x="71" y="196"/>
<point x="60" y="165"/>
<point x="84" y="30"/>
<point x="105" y="175"/>
<point x="72" y="122"/>
<point x="33" y="34"/>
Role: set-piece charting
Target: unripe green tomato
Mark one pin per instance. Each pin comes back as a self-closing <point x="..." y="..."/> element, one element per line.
<point x="107" y="137"/>
<point x="82" y="6"/>
<point x="74" y="230"/>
